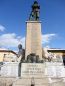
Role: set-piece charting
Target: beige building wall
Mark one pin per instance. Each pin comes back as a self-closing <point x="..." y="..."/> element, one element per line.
<point x="7" y="56"/>
<point x="1" y="57"/>
<point x="33" y="38"/>
<point x="58" y="53"/>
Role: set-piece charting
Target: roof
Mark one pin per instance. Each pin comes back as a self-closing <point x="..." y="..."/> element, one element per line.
<point x="10" y="51"/>
<point x="56" y="50"/>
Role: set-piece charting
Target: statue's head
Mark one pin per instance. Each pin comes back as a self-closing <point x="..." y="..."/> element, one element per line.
<point x="35" y="2"/>
<point x="20" y="46"/>
<point x="35" y="5"/>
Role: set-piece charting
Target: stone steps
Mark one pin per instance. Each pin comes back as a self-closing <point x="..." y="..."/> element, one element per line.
<point x="39" y="82"/>
<point x="28" y="81"/>
<point x="6" y="81"/>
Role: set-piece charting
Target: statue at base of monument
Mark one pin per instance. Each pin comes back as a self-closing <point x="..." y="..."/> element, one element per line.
<point x="33" y="58"/>
<point x="51" y="57"/>
<point x="21" y="54"/>
<point x="34" y="15"/>
<point x="46" y="55"/>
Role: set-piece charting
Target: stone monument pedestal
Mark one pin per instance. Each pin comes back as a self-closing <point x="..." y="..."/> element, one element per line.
<point x="41" y="74"/>
<point x="33" y="39"/>
<point x="30" y="70"/>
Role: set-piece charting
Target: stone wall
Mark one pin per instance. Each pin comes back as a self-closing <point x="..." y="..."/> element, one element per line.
<point x="9" y="69"/>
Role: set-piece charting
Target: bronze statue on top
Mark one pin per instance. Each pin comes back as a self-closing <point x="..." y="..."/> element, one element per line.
<point x="34" y="16"/>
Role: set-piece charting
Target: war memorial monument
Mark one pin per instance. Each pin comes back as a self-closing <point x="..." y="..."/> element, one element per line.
<point x="33" y="68"/>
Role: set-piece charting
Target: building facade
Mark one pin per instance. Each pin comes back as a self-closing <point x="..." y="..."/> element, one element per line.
<point x="7" y="56"/>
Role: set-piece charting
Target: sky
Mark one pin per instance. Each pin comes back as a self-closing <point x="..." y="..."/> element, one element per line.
<point x="15" y="13"/>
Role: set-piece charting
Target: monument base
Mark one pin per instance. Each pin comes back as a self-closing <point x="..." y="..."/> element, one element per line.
<point x="44" y="74"/>
<point x="30" y="70"/>
<point x="47" y="69"/>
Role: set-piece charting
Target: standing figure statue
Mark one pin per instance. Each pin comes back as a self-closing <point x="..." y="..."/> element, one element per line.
<point x="35" y="12"/>
<point x="21" y="53"/>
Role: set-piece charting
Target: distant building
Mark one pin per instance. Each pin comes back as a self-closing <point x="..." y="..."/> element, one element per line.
<point x="59" y="53"/>
<point x="7" y="56"/>
<point x="11" y="56"/>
